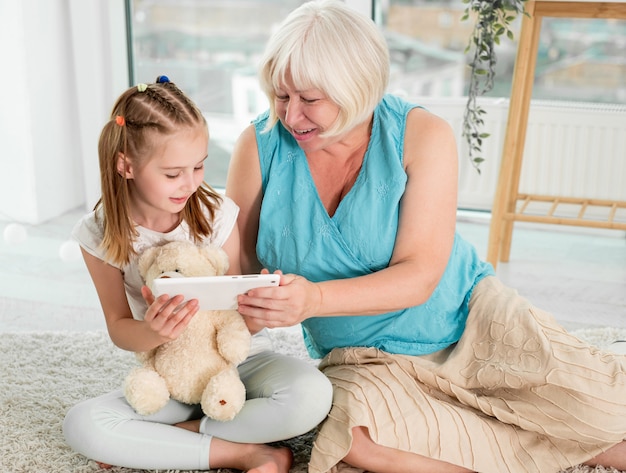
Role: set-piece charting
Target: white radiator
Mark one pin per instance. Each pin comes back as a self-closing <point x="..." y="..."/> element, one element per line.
<point x="572" y="149"/>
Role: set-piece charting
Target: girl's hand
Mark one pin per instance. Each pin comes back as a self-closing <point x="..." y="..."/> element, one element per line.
<point x="294" y="300"/>
<point x="166" y="316"/>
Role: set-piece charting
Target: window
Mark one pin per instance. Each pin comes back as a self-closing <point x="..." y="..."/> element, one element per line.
<point x="210" y="49"/>
<point x="578" y="59"/>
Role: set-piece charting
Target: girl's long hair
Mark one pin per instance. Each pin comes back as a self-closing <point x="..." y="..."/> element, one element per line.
<point x="141" y="116"/>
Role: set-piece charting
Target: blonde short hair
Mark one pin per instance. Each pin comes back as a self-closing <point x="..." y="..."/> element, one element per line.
<point x="327" y="45"/>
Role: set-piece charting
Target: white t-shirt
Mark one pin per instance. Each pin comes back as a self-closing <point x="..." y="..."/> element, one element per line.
<point x="88" y="232"/>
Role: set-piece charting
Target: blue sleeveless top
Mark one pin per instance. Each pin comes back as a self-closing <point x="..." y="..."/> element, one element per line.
<point x="296" y="235"/>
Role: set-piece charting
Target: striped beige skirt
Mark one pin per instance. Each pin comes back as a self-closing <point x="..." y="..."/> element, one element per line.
<point x="517" y="393"/>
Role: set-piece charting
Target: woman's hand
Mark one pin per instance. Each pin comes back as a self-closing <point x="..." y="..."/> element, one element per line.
<point x="294" y="300"/>
<point x="168" y="317"/>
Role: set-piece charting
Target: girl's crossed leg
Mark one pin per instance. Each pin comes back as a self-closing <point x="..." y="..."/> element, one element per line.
<point x="286" y="398"/>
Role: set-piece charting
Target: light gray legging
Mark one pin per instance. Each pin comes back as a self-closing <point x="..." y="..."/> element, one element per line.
<point x="286" y="397"/>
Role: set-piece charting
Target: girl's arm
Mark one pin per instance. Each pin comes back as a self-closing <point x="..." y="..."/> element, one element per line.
<point x="161" y="323"/>
<point x="422" y="248"/>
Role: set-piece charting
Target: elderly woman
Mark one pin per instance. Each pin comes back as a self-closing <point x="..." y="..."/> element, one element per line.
<point x="436" y="365"/>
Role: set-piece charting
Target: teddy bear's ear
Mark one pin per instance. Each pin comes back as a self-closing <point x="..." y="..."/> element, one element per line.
<point x="217" y="257"/>
<point x="146" y="259"/>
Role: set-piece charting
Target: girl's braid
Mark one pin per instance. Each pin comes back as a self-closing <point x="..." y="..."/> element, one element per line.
<point x="166" y="105"/>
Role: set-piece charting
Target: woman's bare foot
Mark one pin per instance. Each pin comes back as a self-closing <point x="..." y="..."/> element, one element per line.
<point x="614" y="457"/>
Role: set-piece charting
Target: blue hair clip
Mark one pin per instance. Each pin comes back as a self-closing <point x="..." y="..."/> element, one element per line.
<point x="162" y="79"/>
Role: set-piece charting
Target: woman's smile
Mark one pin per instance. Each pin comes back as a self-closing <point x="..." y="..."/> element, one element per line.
<point x="301" y="135"/>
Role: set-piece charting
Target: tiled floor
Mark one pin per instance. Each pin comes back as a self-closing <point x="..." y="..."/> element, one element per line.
<point x="578" y="274"/>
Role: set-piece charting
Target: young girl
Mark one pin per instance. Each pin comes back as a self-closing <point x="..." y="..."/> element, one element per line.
<point x="152" y="154"/>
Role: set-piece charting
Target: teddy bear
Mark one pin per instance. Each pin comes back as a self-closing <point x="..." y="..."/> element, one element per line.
<point x="200" y="366"/>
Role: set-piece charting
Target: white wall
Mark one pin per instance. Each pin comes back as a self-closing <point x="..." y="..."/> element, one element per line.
<point x="63" y="63"/>
<point x="572" y="149"/>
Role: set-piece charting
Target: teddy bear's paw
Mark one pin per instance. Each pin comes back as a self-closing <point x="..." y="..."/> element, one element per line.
<point x="234" y="345"/>
<point x="146" y="391"/>
<point x="224" y="395"/>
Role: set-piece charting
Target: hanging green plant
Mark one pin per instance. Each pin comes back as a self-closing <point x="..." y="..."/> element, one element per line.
<point x="493" y="18"/>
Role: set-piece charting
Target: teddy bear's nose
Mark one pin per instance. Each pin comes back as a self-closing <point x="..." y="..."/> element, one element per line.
<point x="171" y="274"/>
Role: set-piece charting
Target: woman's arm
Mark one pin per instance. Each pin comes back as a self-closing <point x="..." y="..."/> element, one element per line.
<point x="422" y="248"/>
<point x="161" y="324"/>
<point x="243" y="185"/>
<point x="232" y="248"/>
<point x="426" y="228"/>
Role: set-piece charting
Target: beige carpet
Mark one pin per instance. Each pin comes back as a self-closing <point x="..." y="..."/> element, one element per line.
<point x="44" y="373"/>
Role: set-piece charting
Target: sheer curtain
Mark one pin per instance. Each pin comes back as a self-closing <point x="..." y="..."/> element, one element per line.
<point x="63" y="64"/>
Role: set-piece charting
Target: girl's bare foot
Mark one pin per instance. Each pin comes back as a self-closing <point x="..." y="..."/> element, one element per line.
<point x="270" y="460"/>
<point x="193" y="425"/>
<point x="251" y="458"/>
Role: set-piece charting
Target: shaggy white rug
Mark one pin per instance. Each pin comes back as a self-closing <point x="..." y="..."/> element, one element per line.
<point x="44" y="373"/>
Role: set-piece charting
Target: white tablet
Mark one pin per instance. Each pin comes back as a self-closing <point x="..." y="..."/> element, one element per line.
<point x="213" y="292"/>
